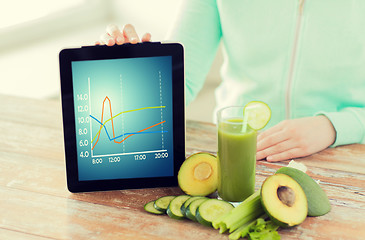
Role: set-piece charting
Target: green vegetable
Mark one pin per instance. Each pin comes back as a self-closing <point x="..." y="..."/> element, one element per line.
<point x="247" y="219"/>
<point x="247" y="211"/>
<point x="193" y="206"/>
<point x="174" y="208"/>
<point x="258" y="229"/>
<point x="211" y="209"/>
<point x="264" y="230"/>
<point x="186" y="204"/>
<point x="151" y="209"/>
<point x="242" y="231"/>
<point x="162" y="203"/>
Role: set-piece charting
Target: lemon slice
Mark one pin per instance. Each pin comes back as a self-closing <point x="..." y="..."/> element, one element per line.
<point x="257" y="114"/>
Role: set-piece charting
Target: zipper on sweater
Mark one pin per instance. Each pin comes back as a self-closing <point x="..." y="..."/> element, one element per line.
<point x="292" y="61"/>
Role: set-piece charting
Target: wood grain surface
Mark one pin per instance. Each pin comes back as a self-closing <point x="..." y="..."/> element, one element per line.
<point x="35" y="202"/>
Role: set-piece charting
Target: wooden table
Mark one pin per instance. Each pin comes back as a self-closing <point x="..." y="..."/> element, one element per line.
<point x="35" y="204"/>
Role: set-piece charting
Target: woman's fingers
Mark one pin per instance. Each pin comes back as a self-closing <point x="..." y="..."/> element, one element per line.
<point x="115" y="33"/>
<point x="275" y="149"/>
<point x="146" y="37"/>
<point x="289" y="154"/>
<point x="270" y="140"/>
<point x="295" y="138"/>
<point x="130" y="34"/>
<point x="107" y="39"/>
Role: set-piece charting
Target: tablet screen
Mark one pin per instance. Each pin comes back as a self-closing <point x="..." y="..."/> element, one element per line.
<point x="123" y="118"/>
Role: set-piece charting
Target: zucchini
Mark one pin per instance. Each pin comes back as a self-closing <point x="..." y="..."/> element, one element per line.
<point x="184" y="207"/>
<point x="211" y="210"/>
<point x="148" y="207"/>
<point x="162" y="203"/>
<point x="174" y="208"/>
<point x="191" y="210"/>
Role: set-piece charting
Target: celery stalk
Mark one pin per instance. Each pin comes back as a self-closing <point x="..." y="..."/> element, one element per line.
<point x="249" y="218"/>
<point x="219" y="221"/>
<point x="222" y="228"/>
<point x="242" y="231"/>
<point x="246" y="208"/>
<point x="255" y="208"/>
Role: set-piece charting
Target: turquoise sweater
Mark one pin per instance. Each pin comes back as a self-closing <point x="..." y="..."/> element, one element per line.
<point x="302" y="57"/>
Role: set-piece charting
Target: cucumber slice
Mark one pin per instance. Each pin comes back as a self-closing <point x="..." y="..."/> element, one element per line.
<point x="162" y="203"/>
<point x="148" y="207"/>
<point x="184" y="207"/>
<point x="211" y="210"/>
<point x="191" y="210"/>
<point x="174" y="208"/>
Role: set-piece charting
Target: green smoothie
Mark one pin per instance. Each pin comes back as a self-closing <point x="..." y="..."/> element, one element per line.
<point x="236" y="160"/>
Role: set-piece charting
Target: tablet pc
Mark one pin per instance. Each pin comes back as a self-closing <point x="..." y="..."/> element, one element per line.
<point x="123" y="115"/>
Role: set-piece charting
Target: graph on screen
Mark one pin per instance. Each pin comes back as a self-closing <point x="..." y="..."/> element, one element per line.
<point x="123" y="116"/>
<point x="123" y="136"/>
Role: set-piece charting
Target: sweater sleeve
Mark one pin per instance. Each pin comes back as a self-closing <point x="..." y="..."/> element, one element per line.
<point x="198" y="29"/>
<point x="349" y="124"/>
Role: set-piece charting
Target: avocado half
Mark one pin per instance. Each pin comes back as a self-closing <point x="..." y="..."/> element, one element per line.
<point x="198" y="174"/>
<point x="318" y="202"/>
<point x="284" y="200"/>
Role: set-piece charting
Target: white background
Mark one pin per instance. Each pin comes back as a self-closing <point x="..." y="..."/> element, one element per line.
<point x="33" y="32"/>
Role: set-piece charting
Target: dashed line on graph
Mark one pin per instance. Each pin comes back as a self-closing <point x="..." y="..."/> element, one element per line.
<point x="162" y="131"/>
<point x="122" y="106"/>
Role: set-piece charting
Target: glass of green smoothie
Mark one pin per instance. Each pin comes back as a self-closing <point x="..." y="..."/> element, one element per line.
<point x="236" y="155"/>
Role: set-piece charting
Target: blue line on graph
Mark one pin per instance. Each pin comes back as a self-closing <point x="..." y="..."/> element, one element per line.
<point x="111" y="139"/>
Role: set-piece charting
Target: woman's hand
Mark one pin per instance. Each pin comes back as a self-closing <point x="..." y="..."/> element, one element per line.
<point x="295" y="138"/>
<point x="127" y="34"/>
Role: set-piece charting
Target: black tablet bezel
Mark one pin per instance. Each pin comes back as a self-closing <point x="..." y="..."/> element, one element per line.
<point x="148" y="49"/>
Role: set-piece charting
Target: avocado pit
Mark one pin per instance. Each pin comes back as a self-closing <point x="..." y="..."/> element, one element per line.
<point x="286" y="195"/>
<point x="202" y="171"/>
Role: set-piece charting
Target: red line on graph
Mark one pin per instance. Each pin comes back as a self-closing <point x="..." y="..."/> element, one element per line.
<point x="111" y="118"/>
<point x="102" y="116"/>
